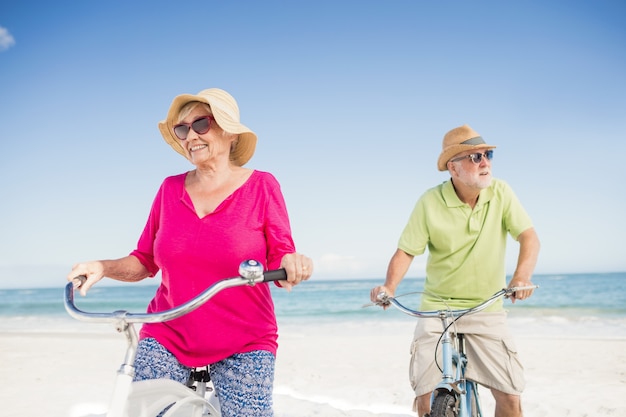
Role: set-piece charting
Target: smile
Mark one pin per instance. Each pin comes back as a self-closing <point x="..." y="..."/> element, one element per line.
<point x="197" y="148"/>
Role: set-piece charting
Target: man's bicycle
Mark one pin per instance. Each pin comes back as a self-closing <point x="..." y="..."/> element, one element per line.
<point x="454" y="395"/>
<point x="150" y="398"/>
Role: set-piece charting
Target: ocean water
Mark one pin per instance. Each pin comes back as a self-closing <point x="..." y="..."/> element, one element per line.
<point x="589" y="305"/>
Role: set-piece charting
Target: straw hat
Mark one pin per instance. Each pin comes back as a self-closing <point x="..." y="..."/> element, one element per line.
<point x="459" y="140"/>
<point x="226" y="114"/>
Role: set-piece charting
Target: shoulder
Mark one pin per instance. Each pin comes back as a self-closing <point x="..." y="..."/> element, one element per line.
<point x="263" y="187"/>
<point x="500" y="184"/>
<point x="178" y="179"/>
<point x="264" y="176"/>
<point x="500" y="192"/>
<point x="500" y="187"/>
<point x="263" y="179"/>
<point x="260" y="184"/>
<point x="442" y="193"/>
<point x="173" y="182"/>
<point x="437" y="190"/>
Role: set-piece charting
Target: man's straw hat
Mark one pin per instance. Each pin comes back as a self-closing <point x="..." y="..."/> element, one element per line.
<point x="459" y="140"/>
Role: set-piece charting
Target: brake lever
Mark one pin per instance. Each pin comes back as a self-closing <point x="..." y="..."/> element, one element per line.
<point x="511" y="291"/>
<point x="383" y="301"/>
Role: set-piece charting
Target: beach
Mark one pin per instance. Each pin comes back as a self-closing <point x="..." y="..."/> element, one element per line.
<point x="323" y="369"/>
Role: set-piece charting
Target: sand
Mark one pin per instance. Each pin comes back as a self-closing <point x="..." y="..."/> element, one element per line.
<point x="340" y="369"/>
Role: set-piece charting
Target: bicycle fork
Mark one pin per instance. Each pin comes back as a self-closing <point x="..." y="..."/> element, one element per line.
<point x="198" y="381"/>
<point x="453" y="378"/>
<point x="126" y="373"/>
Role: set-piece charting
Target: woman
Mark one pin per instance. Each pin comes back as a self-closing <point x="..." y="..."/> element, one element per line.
<point x="202" y="224"/>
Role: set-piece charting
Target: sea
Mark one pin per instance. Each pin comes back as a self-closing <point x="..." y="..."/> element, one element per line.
<point x="564" y="305"/>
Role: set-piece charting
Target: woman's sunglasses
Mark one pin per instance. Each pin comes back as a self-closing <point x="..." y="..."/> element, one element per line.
<point x="201" y="125"/>
<point x="476" y="157"/>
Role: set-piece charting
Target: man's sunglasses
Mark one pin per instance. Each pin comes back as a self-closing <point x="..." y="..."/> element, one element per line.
<point x="476" y="157"/>
<point x="201" y="125"/>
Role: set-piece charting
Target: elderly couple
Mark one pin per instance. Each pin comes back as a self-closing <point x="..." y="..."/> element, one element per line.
<point x="204" y="222"/>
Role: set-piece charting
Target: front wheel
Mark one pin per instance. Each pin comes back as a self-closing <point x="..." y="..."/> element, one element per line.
<point x="444" y="405"/>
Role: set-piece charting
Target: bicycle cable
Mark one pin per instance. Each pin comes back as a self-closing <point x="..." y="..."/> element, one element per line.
<point x="441" y="336"/>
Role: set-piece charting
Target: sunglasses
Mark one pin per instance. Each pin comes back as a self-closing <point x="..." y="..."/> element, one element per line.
<point x="201" y="125"/>
<point x="476" y="157"/>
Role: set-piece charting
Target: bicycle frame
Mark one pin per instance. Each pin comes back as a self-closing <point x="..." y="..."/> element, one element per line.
<point x="166" y="391"/>
<point x="454" y="360"/>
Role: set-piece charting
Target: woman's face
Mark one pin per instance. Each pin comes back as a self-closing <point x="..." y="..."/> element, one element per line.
<point x="209" y="147"/>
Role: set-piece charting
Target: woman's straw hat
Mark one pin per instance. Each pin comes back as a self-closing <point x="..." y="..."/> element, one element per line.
<point x="226" y="114"/>
<point x="459" y="140"/>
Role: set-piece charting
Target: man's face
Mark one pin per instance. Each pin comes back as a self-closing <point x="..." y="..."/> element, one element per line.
<point x="472" y="168"/>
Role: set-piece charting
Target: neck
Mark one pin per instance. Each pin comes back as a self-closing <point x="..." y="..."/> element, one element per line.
<point x="212" y="174"/>
<point x="468" y="195"/>
<point x="215" y="169"/>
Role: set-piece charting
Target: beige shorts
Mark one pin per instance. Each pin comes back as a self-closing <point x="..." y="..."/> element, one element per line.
<point x="492" y="358"/>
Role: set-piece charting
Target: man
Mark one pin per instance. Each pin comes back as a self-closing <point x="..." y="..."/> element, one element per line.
<point x="464" y="223"/>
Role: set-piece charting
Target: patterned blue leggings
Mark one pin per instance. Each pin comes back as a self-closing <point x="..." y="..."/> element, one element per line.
<point x="243" y="382"/>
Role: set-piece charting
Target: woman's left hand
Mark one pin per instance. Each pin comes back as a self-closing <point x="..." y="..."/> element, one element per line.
<point x="298" y="267"/>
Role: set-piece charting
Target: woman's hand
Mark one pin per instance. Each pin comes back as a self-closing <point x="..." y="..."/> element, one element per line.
<point x="298" y="267"/>
<point x="93" y="270"/>
<point x="126" y="269"/>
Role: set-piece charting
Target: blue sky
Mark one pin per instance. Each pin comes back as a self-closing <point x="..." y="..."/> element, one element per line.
<point x="350" y="100"/>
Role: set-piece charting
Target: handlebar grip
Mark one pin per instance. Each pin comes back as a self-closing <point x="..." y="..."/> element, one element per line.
<point x="275" y="275"/>
<point x="78" y="281"/>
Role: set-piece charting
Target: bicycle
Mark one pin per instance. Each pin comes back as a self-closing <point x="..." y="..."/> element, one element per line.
<point x="153" y="397"/>
<point x="454" y="395"/>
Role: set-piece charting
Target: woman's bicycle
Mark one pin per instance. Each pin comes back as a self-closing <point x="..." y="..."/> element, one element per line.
<point x="454" y="395"/>
<point x="150" y="398"/>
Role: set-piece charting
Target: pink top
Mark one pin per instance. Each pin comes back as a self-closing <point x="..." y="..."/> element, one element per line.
<point x="193" y="253"/>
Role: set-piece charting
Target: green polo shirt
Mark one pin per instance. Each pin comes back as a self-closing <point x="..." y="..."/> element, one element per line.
<point x="466" y="261"/>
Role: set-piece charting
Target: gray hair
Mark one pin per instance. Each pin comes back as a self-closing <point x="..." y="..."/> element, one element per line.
<point x="188" y="108"/>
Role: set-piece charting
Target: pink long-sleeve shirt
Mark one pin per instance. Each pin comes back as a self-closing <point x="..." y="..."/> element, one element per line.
<point x="192" y="253"/>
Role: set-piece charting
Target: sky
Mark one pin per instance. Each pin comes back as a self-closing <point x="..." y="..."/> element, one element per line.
<point x="350" y="101"/>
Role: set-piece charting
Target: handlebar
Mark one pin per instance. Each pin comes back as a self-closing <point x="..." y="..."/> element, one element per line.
<point x="250" y="273"/>
<point x="385" y="300"/>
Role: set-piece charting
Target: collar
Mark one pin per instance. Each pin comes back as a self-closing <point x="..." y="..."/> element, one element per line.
<point x="453" y="200"/>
